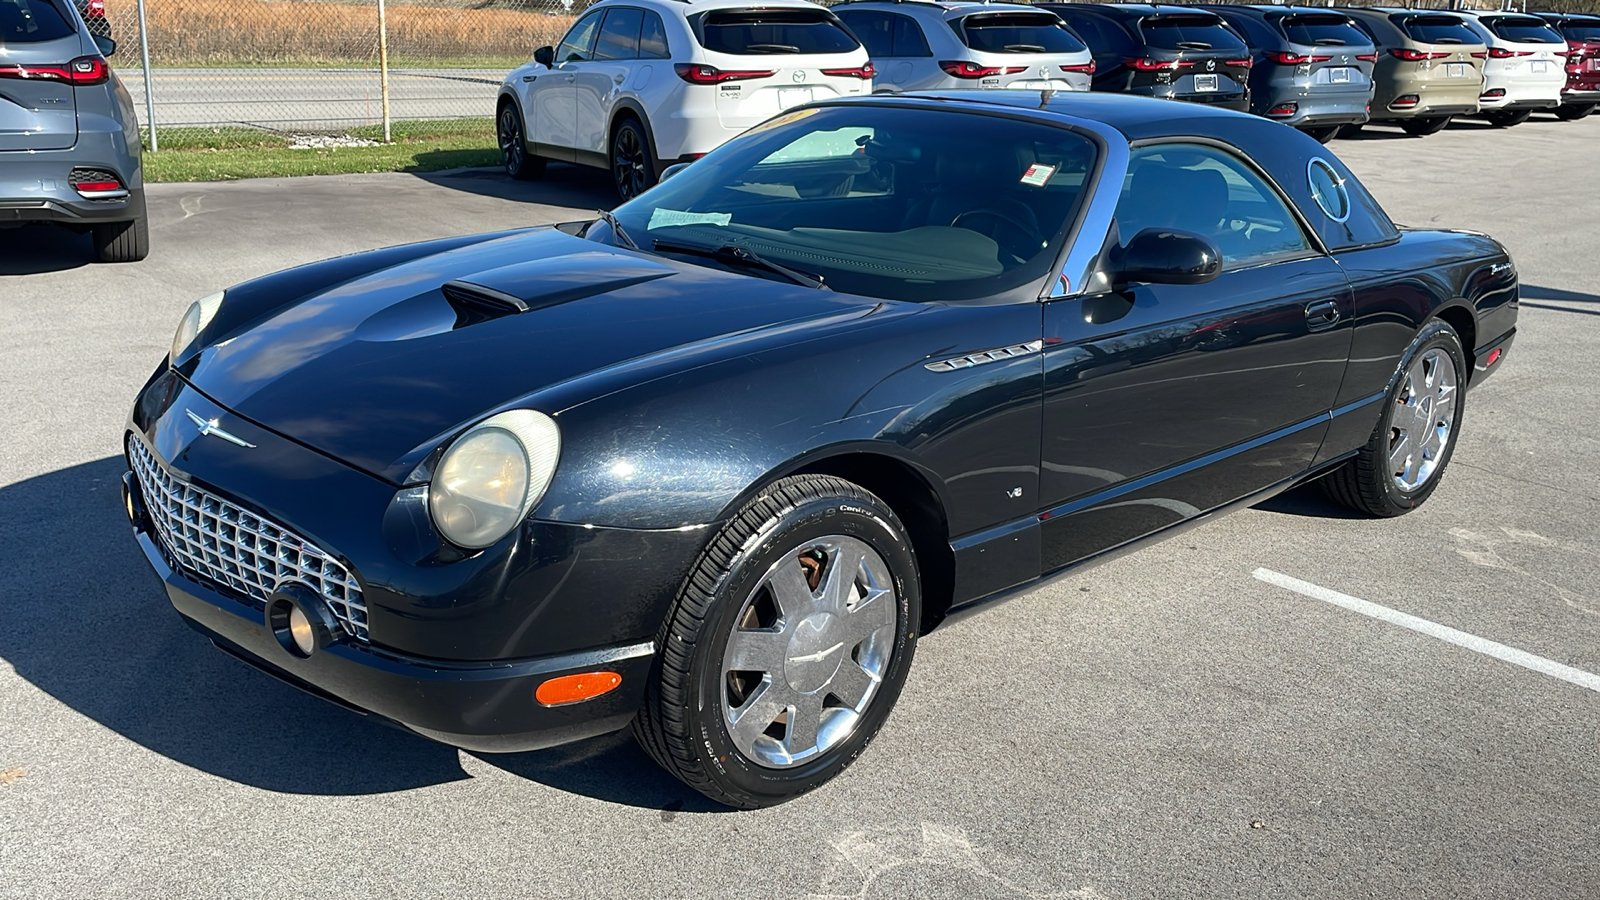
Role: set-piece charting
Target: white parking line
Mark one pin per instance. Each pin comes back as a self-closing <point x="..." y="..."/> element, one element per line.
<point x="1432" y="629"/>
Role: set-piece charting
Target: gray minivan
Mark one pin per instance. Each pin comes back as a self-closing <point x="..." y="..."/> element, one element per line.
<point x="69" y="138"/>
<point x="1313" y="66"/>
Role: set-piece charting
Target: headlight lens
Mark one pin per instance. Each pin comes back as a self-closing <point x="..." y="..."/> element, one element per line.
<point x="492" y="476"/>
<point x="195" y="318"/>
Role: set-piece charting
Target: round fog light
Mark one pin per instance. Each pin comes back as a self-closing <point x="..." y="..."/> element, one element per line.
<point x="300" y="631"/>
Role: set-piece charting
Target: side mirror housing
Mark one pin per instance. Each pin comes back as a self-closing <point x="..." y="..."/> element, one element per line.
<point x="545" y="56"/>
<point x="106" y="45"/>
<point x="672" y="170"/>
<point x="1167" y="256"/>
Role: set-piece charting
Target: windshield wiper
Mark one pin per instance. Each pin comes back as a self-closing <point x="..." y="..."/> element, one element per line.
<point x="617" y="230"/>
<point x="743" y="255"/>
<point x="773" y="48"/>
<point x="1194" y="45"/>
<point x="1021" y="48"/>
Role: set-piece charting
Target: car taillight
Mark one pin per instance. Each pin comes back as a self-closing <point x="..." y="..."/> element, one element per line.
<point x="698" y="74"/>
<point x="1284" y="109"/>
<point x="1156" y="65"/>
<point x="965" y="69"/>
<point x="864" y="72"/>
<point x="1087" y="68"/>
<point x="1479" y="54"/>
<point x="1247" y="62"/>
<point x="1415" y="55"/>
<point x="1367" y="57"/>
<point x="85" y="70"/>
<point x="1495" y="94"/>
<point x="95" y="10"/>
<point x="1502" y="53"/>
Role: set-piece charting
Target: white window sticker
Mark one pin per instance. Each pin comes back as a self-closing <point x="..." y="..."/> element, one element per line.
<point x="1037" y="175"/>
<point x="667" y="218"/>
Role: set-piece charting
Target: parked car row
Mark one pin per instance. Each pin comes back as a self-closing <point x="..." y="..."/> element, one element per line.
<point x="637" y="86"/>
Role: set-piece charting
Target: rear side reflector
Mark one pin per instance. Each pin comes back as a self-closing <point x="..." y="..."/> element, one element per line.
<point x="1495" y="94"/>
<point x="97" y="184"/>
<point x="1405" y="102"/>
<point x="1284" y="109"/>
<point x="576" y="688"/>
<point x="1494" y="357"/>
<point x="85" y="71"/>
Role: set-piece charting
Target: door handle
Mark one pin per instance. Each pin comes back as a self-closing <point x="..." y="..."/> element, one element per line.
<point x="618" y="78"/>
<point x="1322" y="314"/>
<point x="571" y="78"/>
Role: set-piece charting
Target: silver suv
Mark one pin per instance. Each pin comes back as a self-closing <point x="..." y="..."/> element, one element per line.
<point x="917" y="45"/>
<point x="69" y="139"/>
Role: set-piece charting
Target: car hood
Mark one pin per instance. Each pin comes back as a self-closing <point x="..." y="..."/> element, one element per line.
<point x="378" y="370"/>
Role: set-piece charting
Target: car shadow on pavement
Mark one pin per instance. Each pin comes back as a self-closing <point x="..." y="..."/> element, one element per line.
<point x="1534" y="292"/>
<point x="578" y="187"/>
<point x="84" y="619"/>
<point x="1309" y="500"/>
<point x="35" y="249"/>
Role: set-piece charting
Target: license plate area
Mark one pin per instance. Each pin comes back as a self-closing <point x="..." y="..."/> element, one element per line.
<point x="788" y="97"/>
<point x="1539" y="67"/>
<point x="1455" y="70"/>
<point x="1205" y="82"/>
<point x="1339" y="75"/>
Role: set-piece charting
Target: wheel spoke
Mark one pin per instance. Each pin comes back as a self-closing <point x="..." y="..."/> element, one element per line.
<point x="754" y="715"/>
<point x="1413" y="465"/>
<point x="1400" y="453"/>
<point x="805" y="719"/>
<point x="851" y="684"/>
<point x="871" y="614"/>
<point x="756" y="651"/>
<point x="790" y="590"/>
<point x="843" y="568"/>
<point x="1418" y="377"/>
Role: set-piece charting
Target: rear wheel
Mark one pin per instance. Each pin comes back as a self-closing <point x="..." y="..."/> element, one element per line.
<point x="1405" y="458"/>
<point x="1323" y="134"/>
<point x="1426" y="125"/>
<point x="514" y="146"/>
<point x="1346" y="132"/>
<point x="129" y="241"/>
<point x="632" y="169"/>
<point x="1573" y="112"/>
<point x="1508" y="117"/>
<point x="787" y="646"/>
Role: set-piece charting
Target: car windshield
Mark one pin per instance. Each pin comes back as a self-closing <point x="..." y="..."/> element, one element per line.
<point x="1523" y="30"/>
<point x="761" y="32"/>
<point x="32" y="21"/>
<point x="1017" y="33"/>
<point x="1189" y="32"/>
<point x="1438" y="30"/>
<point x="1323" y="29"/>
<point x="902" y="204"/>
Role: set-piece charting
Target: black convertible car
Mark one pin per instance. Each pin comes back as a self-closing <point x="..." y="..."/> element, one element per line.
<point x="714" y="463"/>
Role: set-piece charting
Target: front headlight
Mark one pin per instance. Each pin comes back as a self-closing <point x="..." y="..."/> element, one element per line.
<point x="195" y="319"/>
<point x="492" y="476"/>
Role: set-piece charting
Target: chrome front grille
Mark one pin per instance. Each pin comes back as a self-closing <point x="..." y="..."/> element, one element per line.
<point x="217" y="540"/>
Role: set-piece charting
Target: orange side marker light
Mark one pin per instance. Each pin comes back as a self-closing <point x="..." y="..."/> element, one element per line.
<point x="576" y="688"/>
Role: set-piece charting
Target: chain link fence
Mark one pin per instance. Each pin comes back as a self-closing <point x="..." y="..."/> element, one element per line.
<point x="213" y="72"/>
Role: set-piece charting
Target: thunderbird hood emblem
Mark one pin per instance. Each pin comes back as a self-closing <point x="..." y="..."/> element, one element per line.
<point x="209" y="427"/>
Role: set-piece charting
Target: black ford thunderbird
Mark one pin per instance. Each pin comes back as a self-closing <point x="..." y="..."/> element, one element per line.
<point x="712" y="464"/>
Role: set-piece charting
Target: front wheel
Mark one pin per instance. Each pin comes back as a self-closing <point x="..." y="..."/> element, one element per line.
<point x="632" y="168"/>
<point x="1508" y="117"/>
<point x="787" y="646"/>
<point x="1425" y="126"/>
<point x="1574" y="112"/>
<point x="1402" y="463"/>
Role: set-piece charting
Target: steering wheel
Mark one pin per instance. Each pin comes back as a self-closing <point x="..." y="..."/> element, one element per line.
<point x="1021" y="237"/>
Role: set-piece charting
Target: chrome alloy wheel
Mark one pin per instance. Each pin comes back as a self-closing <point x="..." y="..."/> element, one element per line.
<point x="809" y="651"/>
<point x="1423" y="421"/>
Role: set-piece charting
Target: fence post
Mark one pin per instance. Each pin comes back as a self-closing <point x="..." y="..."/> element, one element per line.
<point x="149" y="91"/>
<point x="383" y="66"/>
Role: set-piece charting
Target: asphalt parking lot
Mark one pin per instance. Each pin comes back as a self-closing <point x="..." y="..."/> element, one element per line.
<point x="1173" y="724"/>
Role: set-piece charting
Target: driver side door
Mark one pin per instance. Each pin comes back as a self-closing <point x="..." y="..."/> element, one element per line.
<point x="552" y="103"/>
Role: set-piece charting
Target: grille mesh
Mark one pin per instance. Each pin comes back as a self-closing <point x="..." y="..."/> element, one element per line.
<point x="235" y="548"/>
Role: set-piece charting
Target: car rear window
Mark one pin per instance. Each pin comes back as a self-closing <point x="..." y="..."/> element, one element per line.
<point x="32" y="21"/>
<point x="760" y="32"/>
<point x="1581" y="31"/>
<point x="1523" y="30"/>
<point x="1016" y="33"/>
<point x="1437" y="30"/>
<point x="1321" y="29"/>
<point x="1189" y="32"/>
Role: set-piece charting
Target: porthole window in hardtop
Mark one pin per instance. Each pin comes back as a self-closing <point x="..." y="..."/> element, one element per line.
<point x="1328" y="189"/>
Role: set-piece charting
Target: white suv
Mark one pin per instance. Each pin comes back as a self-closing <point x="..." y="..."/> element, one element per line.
<point x="917" y="45"/>
<point x="1526" y="66"/>
<point x="638" y="85"/>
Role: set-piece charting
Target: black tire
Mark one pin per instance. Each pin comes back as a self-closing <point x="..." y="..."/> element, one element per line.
<point x="1508" y="117"/>
<point x="512" y="137"/>
<point x="1573" y="111"/>
<point x="682" y="723"/>
<point x="633" y="165"/>
<point x="1346" y="132"/>
<point x="1366" y="483"/>
<point x="1425" y="125"/>
<point x="120" y="242"/>
<point x="1322" y="134"/>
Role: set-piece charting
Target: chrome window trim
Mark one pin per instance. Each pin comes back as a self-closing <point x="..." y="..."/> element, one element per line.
<point x="1094" y="223"/>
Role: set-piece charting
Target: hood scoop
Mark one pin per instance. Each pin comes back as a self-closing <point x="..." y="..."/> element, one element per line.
<point x="543" y="283"/>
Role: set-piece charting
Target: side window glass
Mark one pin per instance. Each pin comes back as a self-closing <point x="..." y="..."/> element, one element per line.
<point x="1200" y="189"/>
<point x="579" y="42"/>
<point x="619" y="36"/>
<point x="873" y="30"/>
<point x="653" y="38"/>
<point x="908" y="38"/>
